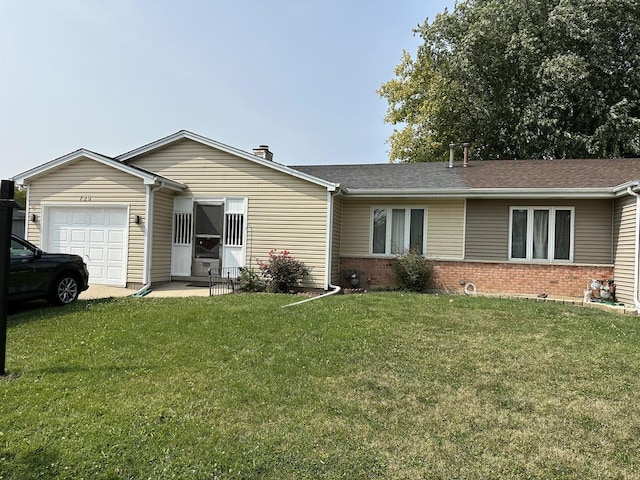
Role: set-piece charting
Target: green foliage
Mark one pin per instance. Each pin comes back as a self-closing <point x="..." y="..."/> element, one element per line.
<point x="521" y="79"/>
<point x="20" y="196"/>
<point x="251" y="281"/>
<point x="373" y="386"/>
<point x="282" y="272"/>
<point x="414" y="272"/>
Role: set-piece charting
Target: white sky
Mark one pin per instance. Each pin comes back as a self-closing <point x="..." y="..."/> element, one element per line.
<point x="112" y="75"/>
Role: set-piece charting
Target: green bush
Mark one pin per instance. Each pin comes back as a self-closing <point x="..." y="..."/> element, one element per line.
<point x="251" y="281"/>
<point x="414" y="272"/>
<point x="283" y="272"/>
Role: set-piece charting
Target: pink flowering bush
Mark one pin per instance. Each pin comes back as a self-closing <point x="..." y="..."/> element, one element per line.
<point x="282" y="272"/>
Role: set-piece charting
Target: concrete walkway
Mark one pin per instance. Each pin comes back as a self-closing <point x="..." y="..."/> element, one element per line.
<point x="171" y="289"/>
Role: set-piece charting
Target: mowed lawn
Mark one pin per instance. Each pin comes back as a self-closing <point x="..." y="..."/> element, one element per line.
<point x="384" y="385"/>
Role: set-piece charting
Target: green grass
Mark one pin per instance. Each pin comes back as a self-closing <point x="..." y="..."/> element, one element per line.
<point x="367" y="386"/>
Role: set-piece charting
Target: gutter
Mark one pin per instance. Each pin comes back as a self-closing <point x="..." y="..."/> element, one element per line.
<point x="498" y="193"/>
<point x="636" y="301"/>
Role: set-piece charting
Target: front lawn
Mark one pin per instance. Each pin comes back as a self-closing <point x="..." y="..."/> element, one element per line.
<point x="367" y="386"/>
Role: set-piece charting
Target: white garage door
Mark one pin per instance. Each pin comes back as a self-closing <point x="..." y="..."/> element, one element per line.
<point x="97" y="234"/>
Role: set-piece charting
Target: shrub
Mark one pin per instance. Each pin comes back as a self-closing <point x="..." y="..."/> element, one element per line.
<point x="283" y="272"/>
<point x="250" y="281"/>
<point x="414" y="272"/>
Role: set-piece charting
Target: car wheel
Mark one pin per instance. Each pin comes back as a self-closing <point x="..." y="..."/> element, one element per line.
<point x="64" y="290"/>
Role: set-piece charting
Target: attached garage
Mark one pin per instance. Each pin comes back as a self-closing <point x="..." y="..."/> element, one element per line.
<point x="101" y="209"/>
<point x="99" y="234"/>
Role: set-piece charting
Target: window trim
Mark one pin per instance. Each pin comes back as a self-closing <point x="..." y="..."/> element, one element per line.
<point x="388" y="228"/>
<point x="551" y="234"/>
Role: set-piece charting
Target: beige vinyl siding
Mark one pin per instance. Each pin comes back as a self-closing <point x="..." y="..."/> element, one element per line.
<point x="356" y="227"/>
<point x="335" y="240"/>
<point x="445" y="225"/>
<point x="86" y="183"/>
<point x="284" y="212"/>
<point x="487" y="235"/>
<point x="487" y="231"/>
<point x="445" y="229"/>
<point x="162" y="231"/>
<point x="624" y="232"/>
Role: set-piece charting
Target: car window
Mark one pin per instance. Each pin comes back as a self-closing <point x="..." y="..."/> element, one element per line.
<point x="20" y="250"/>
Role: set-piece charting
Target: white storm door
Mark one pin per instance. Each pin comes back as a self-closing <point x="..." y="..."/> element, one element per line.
<point x="98" y="234"/>
<point x="235" y="233"/>
<point x="181" y="246"/>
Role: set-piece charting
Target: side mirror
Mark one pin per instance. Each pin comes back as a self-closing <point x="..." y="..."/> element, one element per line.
<point x="37" y="254"/>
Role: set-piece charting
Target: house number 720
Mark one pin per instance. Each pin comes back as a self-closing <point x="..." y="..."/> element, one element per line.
<point x="85" y="198"/>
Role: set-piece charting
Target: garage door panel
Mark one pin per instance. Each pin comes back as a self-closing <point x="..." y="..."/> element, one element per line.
<point x="117" y="218"/>
<point x="96" y="254"/>
<point x="95" y="271"/>
<point x="78" y="236"/>
<point x="60" y="218"/>
<point x="78" y="218"/>
<point x="59" y="235"/>
<point x="115" y="255"/>
<point x="114" y="273"/>
<point x="116" y="236"/>
<point x="97" y="217"/>
<point x="96" y="236"/>
<point x="99" y="235"/>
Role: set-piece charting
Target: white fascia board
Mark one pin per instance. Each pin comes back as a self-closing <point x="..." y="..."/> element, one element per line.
<point x="485" y="193"/>
<point x="24" y="177"/>
<point x="147" y="178"/>
<point x="184" y="134"/>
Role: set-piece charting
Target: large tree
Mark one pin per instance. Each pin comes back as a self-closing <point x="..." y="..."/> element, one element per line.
<point x="521" y="79"/>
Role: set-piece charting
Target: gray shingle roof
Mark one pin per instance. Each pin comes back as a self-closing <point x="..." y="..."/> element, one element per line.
<point x="396" y="176"/>
<point x="481" y="175"/>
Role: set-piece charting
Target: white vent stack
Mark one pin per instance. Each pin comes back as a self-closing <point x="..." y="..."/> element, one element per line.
<point x="452" y="146"/>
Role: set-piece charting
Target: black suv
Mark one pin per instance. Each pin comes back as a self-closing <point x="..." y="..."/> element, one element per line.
<point x="58" y="277"/>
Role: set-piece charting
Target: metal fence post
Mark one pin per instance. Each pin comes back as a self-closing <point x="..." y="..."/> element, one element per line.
<point x="7" y="204"/>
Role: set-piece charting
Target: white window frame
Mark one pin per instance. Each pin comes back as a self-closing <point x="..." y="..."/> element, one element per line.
<point x="407" y="228"/>
<point x="551" y="233"/>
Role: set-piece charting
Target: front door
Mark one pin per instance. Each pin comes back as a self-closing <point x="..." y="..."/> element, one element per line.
<point x="208" y="229"/>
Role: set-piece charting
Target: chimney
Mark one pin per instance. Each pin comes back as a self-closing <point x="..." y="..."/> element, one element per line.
<point x="263" y="152"/>
<point x="451" y="154"/>
<point x="466" y="146"/>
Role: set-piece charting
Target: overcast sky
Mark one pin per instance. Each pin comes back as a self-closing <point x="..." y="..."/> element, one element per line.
<point x="112" y="75"/>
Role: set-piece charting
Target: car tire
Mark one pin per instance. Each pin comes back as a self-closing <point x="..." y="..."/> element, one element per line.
<point x="65" y="289"/>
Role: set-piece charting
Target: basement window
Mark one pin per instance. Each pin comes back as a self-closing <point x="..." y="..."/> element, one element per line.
<point x="396" y="230"/>
<point x="541" y="233"/>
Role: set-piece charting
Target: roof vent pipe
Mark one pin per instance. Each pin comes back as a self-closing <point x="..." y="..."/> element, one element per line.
<point x="466" y="146"/>
<point x="451" y="154"/>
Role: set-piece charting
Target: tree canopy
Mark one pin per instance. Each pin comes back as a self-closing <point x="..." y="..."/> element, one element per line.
<point x="521" y="79"/>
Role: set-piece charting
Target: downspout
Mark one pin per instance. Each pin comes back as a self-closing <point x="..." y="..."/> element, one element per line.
<point x="27" y="214"/>
<point x="329" y="242"/>
<point x="148" y="242"/>
<point x="636" y="301"/>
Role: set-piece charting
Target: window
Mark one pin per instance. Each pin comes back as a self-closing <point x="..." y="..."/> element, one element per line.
<point x="541" y="233"/>
<point x="233" y="229"/>
<point x="19" y="249"/>
<point x="182" y="228"/>
<point x="397" y="230"/>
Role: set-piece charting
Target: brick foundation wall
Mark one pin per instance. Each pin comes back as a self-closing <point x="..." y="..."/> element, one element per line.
<point x="498" y="277"/>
